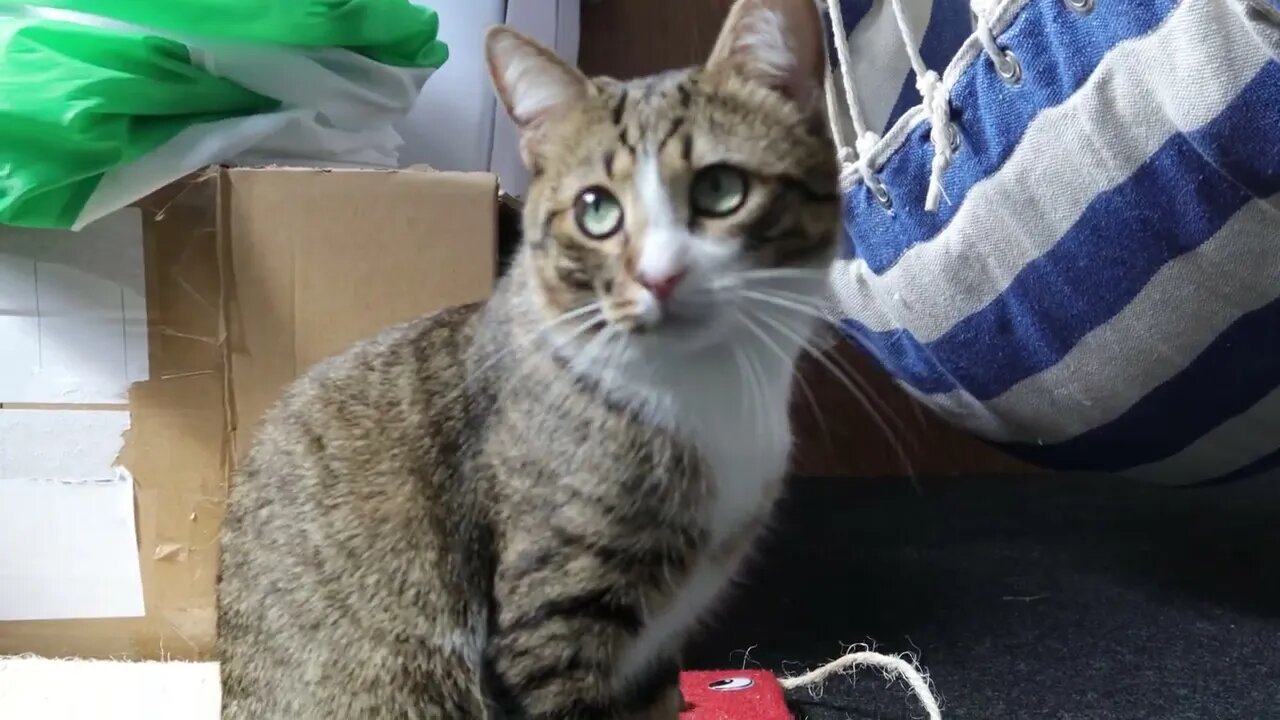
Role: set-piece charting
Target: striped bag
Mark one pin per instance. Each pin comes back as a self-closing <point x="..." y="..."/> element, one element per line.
<point x="1068" y="241"/>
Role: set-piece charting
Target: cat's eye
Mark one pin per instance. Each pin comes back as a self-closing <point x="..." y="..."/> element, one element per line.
<point x="598" y="212"/>
<point x="718" y="190"/>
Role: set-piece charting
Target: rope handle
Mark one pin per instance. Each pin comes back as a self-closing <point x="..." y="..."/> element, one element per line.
<point x="934" y="96"/>
<point x="903" y="667"/>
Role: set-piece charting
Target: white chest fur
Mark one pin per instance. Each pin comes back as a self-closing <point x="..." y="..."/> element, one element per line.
<point x="743" y="433"/>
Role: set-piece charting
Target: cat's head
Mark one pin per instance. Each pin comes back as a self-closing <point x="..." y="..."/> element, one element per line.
<point x="673" y="209"/>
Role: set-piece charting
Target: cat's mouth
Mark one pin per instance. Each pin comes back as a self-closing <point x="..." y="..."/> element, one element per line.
<point x="683" y="327"/>
<point x="685" y="317"/>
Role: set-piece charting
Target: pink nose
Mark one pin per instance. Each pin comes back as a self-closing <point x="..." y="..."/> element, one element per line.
<point x="662" y="286"/>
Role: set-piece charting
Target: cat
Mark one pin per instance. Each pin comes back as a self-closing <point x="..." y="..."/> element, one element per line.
<point x="521" y="509"/>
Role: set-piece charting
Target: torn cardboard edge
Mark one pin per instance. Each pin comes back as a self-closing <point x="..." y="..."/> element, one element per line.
<point x="73" y="329"/>
<point x="72" y="313"/>
<point x="253" y="274"/>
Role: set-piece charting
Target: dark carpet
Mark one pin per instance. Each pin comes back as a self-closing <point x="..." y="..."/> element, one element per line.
<point x="1062" y="599"/>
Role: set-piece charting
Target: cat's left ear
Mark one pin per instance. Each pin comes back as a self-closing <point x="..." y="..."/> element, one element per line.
<point x="777" y="43"/>
<point x="531" y="80"/>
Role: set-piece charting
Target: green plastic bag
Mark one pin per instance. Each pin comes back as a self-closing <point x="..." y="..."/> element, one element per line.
<point x="79" y="100"/>
<point x="395" y="32"/>
<point x="93" y="117"/>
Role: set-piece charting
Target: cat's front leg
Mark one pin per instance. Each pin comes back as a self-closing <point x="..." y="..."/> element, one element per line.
<point x="654" y="694"/>
<point x="554" y="658"/>
<point x="562" y="622"/>
<point x="666" y="706"/>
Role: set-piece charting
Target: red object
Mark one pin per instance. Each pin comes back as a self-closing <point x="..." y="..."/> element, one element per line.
<point x="732" y="695"/>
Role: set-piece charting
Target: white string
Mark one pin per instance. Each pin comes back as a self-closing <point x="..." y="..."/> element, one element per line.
<point x="936" y="105"/>
<point x="988" y="40"/>
<point x="867" y="142"/>
<point x="855" y="162"/>
<point x="851" y="165"/>
<point x="833" y="111"/>
<point x="846" y="67"/>
<point x="847" y="156"/>
<point x="850" y="171"/>
<point x="892" y="666"/>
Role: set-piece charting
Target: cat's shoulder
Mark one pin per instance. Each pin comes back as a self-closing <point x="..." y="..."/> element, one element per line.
<point x="437" y="337"/>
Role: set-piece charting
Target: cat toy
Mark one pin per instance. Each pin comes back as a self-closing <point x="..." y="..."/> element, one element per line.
<point x="732" y="695"/>
<point x="758" y="694"/>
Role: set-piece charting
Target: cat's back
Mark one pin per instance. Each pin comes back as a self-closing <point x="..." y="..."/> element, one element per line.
<point x="392" y="403"/>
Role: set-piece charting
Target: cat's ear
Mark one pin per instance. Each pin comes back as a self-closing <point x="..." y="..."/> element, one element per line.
<point x="532" y="81"/>
<point x="777" y="43"/>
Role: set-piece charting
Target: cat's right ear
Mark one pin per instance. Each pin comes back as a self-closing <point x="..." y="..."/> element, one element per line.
<point x="532" y="81"/>
<point x="776" y="43"/>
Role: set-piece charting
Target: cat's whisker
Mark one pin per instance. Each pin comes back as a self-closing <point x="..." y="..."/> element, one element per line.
<point x="805" y="305"/>
<point x="577" y="332"/>
<point x="753" y="395"/>
<point x="606" y="358"/>
<point x="745" y="279"/>
<point x="765" y="273"/>
<point x="740" y="361"/>
<point x="540" y="332"/>
<point x="755" y="375"/>
<point x="596" y="349"/>
<point x="809" y="311"/>
<point x="475" y="375"/>
<point x="578" y="312"/>
<point x="848" y="383"/>
<point x="758" y="384"/>
<point x="575" y="357"/>
<point x="869" y="392"/>
<point x="814" y="312"/>
<point x="797" y="297"/>
<point x="710" y="292"/>
<point x="797" y="377"/>
<point x="527" y="367"/>
<point x="800" y="307"/>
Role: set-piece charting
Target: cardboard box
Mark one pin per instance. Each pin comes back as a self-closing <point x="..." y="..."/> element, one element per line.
<point x="136" y="358"/>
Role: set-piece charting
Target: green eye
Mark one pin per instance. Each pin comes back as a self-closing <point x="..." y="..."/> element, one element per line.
<point x="718" y="191"/>
<point x="598" y="212"/>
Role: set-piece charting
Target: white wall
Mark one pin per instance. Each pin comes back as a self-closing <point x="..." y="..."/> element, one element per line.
<point x="457" y="125"/>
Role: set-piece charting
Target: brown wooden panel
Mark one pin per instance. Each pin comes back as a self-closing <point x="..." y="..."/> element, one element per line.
<point x="628" y="38"/>
<point x="880" y="431"/>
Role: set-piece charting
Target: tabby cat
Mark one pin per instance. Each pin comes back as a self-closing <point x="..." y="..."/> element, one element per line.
<point x="521" y="509"/>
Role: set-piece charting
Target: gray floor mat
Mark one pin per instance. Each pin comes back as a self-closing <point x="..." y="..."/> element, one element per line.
<point x="1053" y="598"/>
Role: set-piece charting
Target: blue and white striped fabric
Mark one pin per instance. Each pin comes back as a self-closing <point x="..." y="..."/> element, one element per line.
<point x="1100" y="291"/>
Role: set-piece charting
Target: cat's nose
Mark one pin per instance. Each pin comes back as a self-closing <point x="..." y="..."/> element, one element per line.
<point x="662" y="286"/>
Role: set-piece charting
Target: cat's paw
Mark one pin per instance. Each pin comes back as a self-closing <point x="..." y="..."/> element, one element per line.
<point x="668" y="706"/>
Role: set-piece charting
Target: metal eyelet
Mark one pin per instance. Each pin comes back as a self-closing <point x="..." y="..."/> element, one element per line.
<point x="881" y="194"/>
<point x="953" y="137"/>
<point x="731" y="684"/>
<point x="1010" y="69"/>
<point x="1084" y="7"/>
